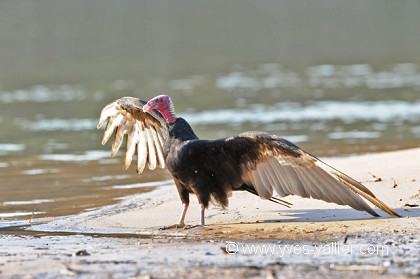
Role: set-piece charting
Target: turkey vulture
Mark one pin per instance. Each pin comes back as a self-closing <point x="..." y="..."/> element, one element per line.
<point x="211" y="169"/>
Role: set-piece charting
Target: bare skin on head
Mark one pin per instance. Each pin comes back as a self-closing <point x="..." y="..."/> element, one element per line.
<point x="164" y="105"/>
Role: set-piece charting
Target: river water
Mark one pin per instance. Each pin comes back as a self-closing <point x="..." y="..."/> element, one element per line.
<point x="336" y="79"/>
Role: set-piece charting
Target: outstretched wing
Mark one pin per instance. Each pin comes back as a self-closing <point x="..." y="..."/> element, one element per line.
<point x="271" y="163"/>
<point x="146" y="132"/>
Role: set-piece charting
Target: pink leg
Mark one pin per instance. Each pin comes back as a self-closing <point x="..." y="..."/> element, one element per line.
<point x="202" y="210"/>
<point x="180" y="223"/>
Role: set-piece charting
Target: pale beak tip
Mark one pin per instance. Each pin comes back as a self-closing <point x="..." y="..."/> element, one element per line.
<point x="146" y="108"/>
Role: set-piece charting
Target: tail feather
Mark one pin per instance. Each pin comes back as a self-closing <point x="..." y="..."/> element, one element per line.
<point x="272" y="199"/>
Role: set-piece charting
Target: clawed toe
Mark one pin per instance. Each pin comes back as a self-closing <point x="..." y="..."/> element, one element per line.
<point x="193" y="226"/>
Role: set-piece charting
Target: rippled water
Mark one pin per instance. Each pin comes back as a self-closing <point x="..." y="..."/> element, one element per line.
<point x="53" y="163"/>
<point x="327" y="92"/>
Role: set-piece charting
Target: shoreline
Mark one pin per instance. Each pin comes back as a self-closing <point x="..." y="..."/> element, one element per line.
<point x="131" y="227"/>
<point x="391" y="176"/>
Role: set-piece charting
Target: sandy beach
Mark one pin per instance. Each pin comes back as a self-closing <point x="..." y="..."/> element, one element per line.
<point x="123" y="240"/>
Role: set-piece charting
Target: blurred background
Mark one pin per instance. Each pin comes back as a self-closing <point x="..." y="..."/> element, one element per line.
<point x="336" y="77"/>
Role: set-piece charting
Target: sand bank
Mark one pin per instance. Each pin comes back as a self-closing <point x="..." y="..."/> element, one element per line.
<point x="394" y="177"/>
<point x="130" y="230"/>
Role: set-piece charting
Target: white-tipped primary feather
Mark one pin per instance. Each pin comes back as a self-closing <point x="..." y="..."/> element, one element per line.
<point x="151" y="162"/>
<point x="132" y="141"/>
<point x="281" y="183"/>
<point x="160" y="137"/>
<point x="308" y="190"/>
<point x="358" y="188"/>
<point x="159" y="153"/>
<point x="276" y="178"/>
<point x="118" y="139"/>
<point x="142" y="153"/>
<point x="260" y="185"/>
<point x="146" y="132"/>
<point x="266" y="183"/>
<point x="270" y="181"/>
<point x="109" y="111"/>
<point x="114" y="122"/>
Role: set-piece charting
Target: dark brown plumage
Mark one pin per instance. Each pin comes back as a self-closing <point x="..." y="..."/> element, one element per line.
<point x="253" y="161"/>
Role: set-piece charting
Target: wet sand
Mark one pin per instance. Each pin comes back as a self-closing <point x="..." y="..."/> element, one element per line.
<point x="311" y="239"/>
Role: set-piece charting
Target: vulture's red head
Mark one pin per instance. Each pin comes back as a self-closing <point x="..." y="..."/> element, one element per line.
<point x="164" y="105"/>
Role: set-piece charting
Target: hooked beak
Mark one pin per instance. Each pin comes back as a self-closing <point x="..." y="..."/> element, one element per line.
<point x="147" y="107"/>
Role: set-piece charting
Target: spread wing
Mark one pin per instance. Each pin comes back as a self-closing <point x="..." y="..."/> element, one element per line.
<point x="274" y="164"/>
<point x="146" y="132"/>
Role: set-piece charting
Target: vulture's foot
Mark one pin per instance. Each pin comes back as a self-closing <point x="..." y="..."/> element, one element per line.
<point x="174" y="226"/>
<point x="193" y="226"/>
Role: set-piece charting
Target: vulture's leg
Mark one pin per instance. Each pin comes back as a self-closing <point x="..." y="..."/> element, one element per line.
<point x="203" y="197"/>
<point x="201" y="224"/>
<point x="183" y="213"/>
<point x="185" y="198"/>
<point x="202" y="209"/>
<point x="180" y="223"/>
